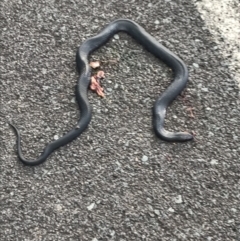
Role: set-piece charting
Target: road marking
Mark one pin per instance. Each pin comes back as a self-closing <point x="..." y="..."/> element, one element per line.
<point x="222" y="18"/>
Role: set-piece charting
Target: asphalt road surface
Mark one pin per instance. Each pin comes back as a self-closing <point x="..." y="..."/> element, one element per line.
<point x="117" y="181"/>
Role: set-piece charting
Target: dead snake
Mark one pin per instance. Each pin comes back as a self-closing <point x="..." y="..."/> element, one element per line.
<point x="159" y="110"/>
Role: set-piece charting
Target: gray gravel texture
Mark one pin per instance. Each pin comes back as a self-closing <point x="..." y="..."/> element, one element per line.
<point x="118" y="181"/>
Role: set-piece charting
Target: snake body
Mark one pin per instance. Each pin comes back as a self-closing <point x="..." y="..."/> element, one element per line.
<point x="159" y="110"/>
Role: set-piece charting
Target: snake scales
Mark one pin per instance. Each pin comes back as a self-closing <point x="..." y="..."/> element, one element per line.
<point x="160" y="106"/>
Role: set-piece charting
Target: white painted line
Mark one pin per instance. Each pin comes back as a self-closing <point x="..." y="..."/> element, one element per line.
<point x="222" y="18"/>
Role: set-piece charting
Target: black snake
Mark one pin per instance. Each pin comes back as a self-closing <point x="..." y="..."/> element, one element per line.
<point x="160" y="106"/>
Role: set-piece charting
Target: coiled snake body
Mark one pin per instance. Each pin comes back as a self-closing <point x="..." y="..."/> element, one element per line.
<point x="160" y="106"/>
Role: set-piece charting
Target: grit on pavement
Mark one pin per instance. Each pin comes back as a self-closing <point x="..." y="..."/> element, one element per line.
<point x="117" y="181"/>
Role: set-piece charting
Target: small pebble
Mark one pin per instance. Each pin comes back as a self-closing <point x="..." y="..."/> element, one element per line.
<point x="58" y="207"/>
<point x="178" y="199"/>
<point x="149" y="200"/>
<point x="204" y="89"/>
<point x="157" y="21"/>
<point x="112" y="232"/>
<point x="234" y="210"/>
<point x="157" y="212"/>
<point x="91" y="206"/>
<point x="195" y="65"/>
<point x="55" y="137"/>
<point x="116" y="36"/>
<point x="190" y="211"/>
<point x="144" y="158"/>
<point x="214" y="162"/>
<point x="171" y="210"/>
<point x="45" y="87"/>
